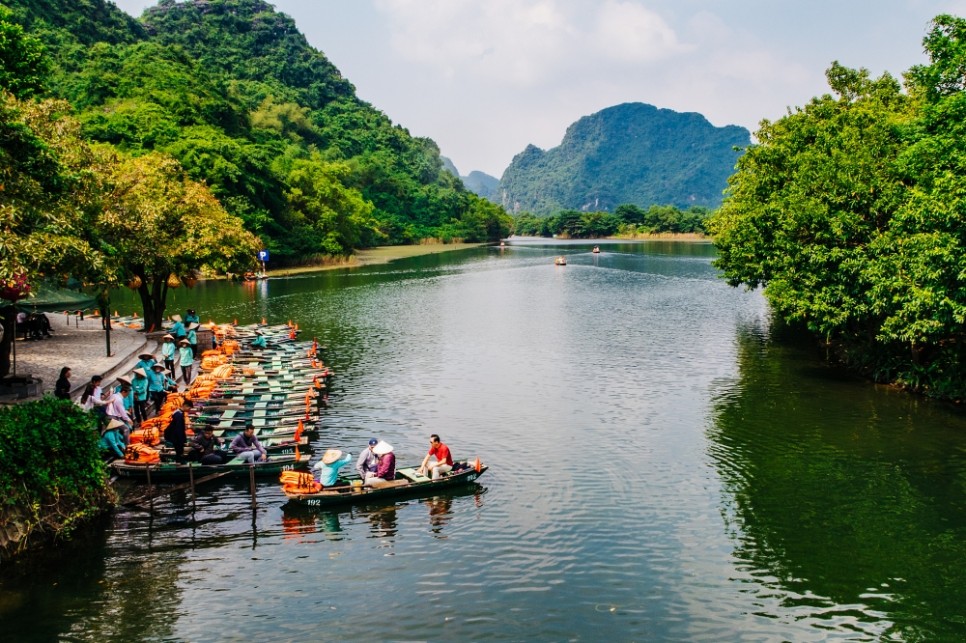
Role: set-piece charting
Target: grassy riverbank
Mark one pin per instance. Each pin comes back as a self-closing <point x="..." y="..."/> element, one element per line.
<point x="373" y="256"/>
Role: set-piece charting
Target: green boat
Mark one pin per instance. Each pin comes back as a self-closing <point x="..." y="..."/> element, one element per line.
<point x="407" y="484"/>
<point x="173" y="472"/>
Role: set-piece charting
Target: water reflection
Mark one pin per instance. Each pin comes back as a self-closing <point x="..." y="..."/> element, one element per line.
<point x="847" y="501"/>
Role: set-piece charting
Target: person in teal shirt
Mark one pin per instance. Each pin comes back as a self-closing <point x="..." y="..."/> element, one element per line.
<point x="259" y="341"/>
<point x="167" y="352"/>
<point x="177" y="329"/>
<point x="192" y="338"/>
<point x="191" y="317"/>
<point x="157" y="386"/>
<point x="112" y="440"/>
<point x="139" y="386"/>
<point x="328" y="467"/>
<point x="186" y="359"/>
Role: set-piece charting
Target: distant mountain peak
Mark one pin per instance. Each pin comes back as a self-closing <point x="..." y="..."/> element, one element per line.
<point x="630" y="153"/>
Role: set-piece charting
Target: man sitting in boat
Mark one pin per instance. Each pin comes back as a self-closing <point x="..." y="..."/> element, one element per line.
<point x="259" y="341"/>
<point x="328" y="467"/>
<point x="386" y="470"/>
<point x="206" y="447"/>
<point x="443" y="462"/>
<point x="247" y="447"/>
<point x="367" y="462"/>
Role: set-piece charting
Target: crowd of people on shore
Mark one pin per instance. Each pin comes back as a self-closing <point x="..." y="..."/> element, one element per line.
<point x="142" y="393"/>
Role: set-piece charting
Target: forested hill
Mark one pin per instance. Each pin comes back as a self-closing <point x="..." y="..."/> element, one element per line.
<point x="234" y="92"/>
<point x="628" y="154"/>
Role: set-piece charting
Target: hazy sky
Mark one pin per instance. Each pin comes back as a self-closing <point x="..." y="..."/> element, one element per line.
<point x="483" y="78"/>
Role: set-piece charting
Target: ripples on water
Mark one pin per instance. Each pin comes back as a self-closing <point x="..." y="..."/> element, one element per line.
<point x="660" y="471"/>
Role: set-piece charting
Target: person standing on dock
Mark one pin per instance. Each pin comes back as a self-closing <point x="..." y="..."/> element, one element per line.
<point x="176" y="433"/>
<point x="167" y="352"/>
<point x="177" y="328"/>
<point x="193" y="337"/>
<point x="62" y="387"/>
<point x="186" y="360"/>
<point x="157" y="387"/>
<point x="139" y="384"/>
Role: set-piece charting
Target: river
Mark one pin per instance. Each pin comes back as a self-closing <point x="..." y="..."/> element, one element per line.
<point x="663" y="467"/>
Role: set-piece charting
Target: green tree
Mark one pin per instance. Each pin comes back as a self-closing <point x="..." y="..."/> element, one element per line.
<point x="158" y="225"/>
<point x="851" y="213"/>
<point x="49" y="196"/>
<point x="23" y="66"/>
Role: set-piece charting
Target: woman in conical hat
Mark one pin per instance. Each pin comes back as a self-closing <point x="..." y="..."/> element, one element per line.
<point x="328" y="467"/>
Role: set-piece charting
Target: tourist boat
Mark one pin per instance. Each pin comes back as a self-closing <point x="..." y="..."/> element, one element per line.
<point x="407" y="483"/>
<point x="174" y="472"/>
<point x="596" y="250"/>
<point x="560" y="261"/>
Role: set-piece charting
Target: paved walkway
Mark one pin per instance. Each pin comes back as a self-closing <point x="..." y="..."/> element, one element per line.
<point x="81" y="345"/>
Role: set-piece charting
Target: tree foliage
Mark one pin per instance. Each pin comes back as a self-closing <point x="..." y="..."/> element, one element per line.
<point x="628" y="220"/>
<point x="229" y="87"/>
<point x="159" y="226"/>
<point x="850" y="212"/>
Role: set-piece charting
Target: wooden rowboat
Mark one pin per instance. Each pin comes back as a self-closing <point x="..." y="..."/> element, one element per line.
<point x="407" y="483"/>
<point x="173" y="472"/>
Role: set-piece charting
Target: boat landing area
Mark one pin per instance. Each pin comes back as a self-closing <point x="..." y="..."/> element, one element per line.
<point x="80" y="344"/>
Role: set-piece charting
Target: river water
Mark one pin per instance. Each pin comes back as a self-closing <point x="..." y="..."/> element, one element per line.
<point x="663" y="467"/>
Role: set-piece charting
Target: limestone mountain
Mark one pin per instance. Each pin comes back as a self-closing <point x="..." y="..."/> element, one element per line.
<point x="632" y="153"/>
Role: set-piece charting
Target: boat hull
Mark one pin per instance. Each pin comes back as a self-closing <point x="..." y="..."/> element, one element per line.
<point x="407" y="484"/>
<point x="172" y="472"/>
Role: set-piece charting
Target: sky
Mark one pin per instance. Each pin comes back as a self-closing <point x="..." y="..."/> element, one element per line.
<point x="486" y="78"/>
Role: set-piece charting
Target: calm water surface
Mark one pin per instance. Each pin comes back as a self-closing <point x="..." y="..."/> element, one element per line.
<point x="661" y="469"/>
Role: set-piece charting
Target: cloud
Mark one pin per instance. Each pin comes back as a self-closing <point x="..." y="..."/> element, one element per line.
<point x="526" y="42"/>
<point x="631" y="33"/>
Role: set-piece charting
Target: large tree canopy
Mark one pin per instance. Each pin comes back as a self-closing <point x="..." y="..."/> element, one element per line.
<point x="159" y="226"/>
<point x="851" y="212"/>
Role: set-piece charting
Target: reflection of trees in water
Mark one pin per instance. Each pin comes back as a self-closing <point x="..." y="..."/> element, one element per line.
<point x="844" y="493"/>
<point x="68" y="592"/>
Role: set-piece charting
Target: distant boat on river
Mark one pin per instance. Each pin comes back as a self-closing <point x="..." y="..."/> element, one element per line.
<point x="596" y="250"/>
<point x="560" y="261"/>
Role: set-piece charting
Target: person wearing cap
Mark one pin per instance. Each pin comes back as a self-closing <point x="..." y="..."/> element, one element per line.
<point x="442" y="464"/>
<point x="206" y="447"/>
<point x="177" y="328"/>
<point x="259" y="341"/>
<point x="112" y="442"/>
<point x="167" y="352"/>
<point x="191" y="317"/>
<point x="328" y="467"/>
<point x="247" y="447"/>
<point x="139" y="385"/>
<point x="367" y="462"/>
<point x="186" y="359"/>
<point x="386" y="470"/>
